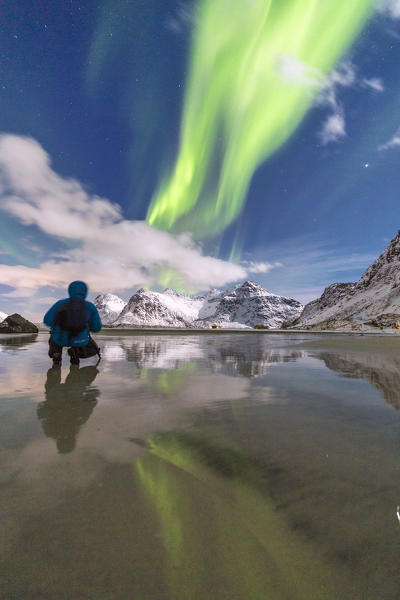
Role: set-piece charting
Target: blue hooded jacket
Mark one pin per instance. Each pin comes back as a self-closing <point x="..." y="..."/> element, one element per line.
<point x="76" y="289"/>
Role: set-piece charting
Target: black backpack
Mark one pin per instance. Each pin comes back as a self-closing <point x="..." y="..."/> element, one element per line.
<point x="72" y="316"/>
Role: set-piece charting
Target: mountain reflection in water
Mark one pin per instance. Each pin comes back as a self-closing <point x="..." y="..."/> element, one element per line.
<point x="383" y="373"/>
<point x="230" y="356"/>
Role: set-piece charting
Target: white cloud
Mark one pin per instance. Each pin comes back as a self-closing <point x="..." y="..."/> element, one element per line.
<point x="260" y="267"/>
<point x="46" y="300"/>
<point x="183" y="18"/>
<point x="333" y="129"/>
<point x="292" y="70"/>
<point x="389" y="7"/>
<point x="394" y="142"/>
<point x="113" y="253"/>
<point x="375" y="83"/>
<point x="344" y="75"/>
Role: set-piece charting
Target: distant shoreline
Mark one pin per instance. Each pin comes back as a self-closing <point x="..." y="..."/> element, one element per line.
<point x="222" y="331"/>
<point x="189" y="331"/>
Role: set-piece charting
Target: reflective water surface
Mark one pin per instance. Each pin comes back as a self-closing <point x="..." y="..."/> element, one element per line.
<point x="237" y="466"/>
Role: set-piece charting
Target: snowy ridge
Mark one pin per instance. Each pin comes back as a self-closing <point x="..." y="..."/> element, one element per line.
<point x="374" y="299"/>
<point x="244" y="305"/>
<point x="155" y="308"/>
<point x="109" y="307"/>
<point x="3" y="316"/>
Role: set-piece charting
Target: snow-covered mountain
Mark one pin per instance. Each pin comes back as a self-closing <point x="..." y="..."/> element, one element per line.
<point x="244" y="305"/>
<point x="247" y="304"/>
<point x="165" y="309"/>
<point x="109" y="307"/>
<point x="2" y="316"/>
<point x="373" y="300"/>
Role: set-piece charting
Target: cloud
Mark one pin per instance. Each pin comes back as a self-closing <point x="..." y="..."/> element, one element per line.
<point x="183" y="18"/>
<point x="292" y="70"/>
<point x="260" y="267"/>
<point x="344" y="76"/>
<point x="110" y="253"/>
<point x="46" y="300"/>
<point x="394" y="142"/>
<point x="389" y="7"/>
<point x="374" y="83"/>
<point x="333" y="129"/>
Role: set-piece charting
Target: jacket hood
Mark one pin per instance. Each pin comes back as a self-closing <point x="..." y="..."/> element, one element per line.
<point x="78" y="289"/>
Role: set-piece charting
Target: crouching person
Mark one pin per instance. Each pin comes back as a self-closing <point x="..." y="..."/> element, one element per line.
<point x="71" y="321"/>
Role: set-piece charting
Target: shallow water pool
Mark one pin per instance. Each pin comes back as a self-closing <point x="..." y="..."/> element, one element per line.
<point x="237" y="466"/>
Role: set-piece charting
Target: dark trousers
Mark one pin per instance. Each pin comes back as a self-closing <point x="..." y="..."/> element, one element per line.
<point x="91" y="349"/>
<point x="55" y="351"/>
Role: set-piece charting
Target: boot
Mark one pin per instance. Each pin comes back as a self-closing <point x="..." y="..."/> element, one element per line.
<point x="56" y="359"/>
<point x="74" y="359"/>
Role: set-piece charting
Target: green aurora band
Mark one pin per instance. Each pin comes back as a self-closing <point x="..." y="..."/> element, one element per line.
<point x="238" y="109"/>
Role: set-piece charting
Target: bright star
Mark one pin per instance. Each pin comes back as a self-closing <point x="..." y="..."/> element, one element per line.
<point x="366" y="165"/>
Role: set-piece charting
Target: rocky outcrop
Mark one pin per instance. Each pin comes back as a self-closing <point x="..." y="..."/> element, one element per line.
<point x="391" y="320"/>
<point x="17" y="324"/>
<point x="373" y="301"/>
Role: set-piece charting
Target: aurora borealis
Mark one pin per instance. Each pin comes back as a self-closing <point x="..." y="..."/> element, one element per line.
<point x="238" y="107"/>
<point x="223" y="140"/>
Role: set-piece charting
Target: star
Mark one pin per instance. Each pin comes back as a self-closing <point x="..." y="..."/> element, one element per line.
<point x="366" y="165"/>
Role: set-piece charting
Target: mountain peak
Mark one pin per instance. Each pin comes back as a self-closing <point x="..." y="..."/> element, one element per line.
<point x="250" y="288"/>
<point x="109" y="306"/>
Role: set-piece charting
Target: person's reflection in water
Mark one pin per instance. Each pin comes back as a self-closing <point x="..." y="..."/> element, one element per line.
<point x="68" y="405"/>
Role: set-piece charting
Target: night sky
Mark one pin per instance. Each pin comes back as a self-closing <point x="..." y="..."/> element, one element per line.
<point x="100" y="101"/>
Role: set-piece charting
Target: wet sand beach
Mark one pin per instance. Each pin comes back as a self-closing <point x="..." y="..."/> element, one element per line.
<point x="196" y="466"/>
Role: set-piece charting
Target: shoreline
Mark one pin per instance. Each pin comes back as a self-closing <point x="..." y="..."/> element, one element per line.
<point x="224" y="331"/>
<point x="189" y="331"/>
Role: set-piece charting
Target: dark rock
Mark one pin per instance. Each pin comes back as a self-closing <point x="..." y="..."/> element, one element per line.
<point x="17" y="324"/>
